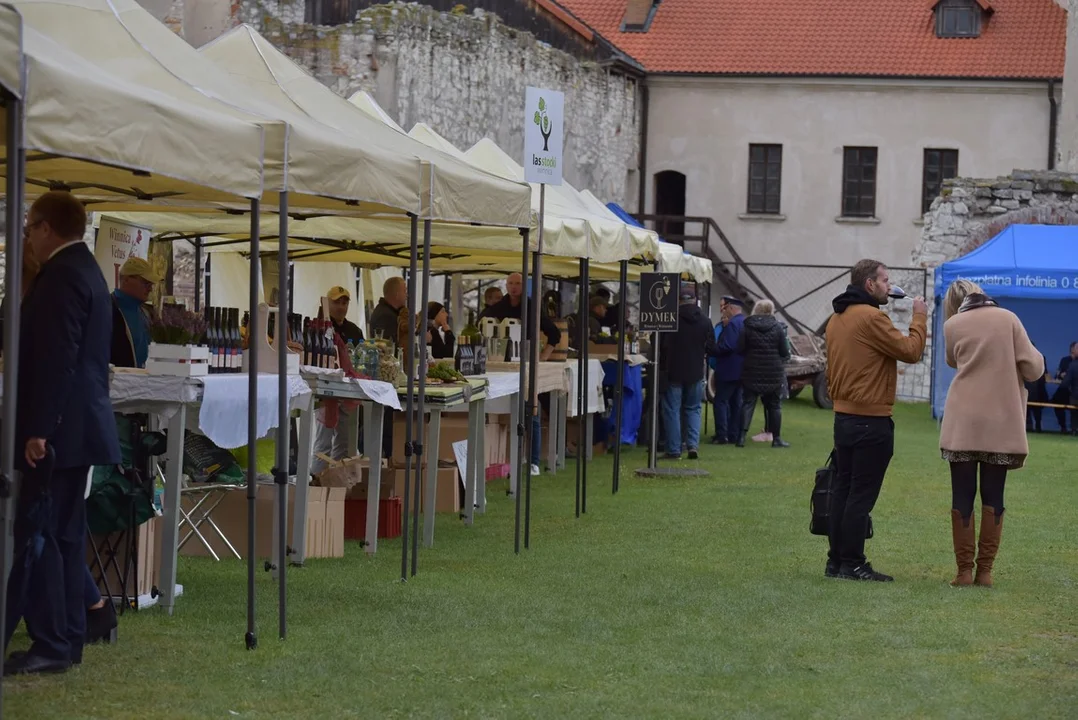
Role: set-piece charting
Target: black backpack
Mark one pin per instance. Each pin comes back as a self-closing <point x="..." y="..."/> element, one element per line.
<point x="820" y="500"/>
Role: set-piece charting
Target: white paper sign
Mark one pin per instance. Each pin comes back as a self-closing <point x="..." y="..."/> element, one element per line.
<point x="544" y="129"/>
<point x="460" y="451"/>
<point x="117" y="241"/>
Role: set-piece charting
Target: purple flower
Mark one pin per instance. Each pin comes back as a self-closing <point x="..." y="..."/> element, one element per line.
<point x="175" y="325"/>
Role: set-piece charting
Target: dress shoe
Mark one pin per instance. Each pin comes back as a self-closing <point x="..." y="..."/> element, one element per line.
<point x="27" y="664"/>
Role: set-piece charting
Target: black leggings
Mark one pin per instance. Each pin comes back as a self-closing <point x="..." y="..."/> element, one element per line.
<point x="964" y="486"/>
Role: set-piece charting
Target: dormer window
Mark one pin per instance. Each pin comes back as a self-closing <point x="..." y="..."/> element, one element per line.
<point x="960" y="18"/>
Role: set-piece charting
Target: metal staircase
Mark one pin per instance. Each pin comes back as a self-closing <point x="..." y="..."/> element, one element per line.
<point x="728" y="270"/>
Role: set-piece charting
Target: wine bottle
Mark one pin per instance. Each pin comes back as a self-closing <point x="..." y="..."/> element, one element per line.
<point x="210" y="338"/>
<point x="306" y="341"/>
<point x="222" y="345"/>
<point x="245" y="328"/>
<point x="237" y="343"/>
<point x="471" y="330"/>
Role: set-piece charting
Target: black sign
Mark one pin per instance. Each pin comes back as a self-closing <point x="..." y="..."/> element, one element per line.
<point x="659" y="301"/>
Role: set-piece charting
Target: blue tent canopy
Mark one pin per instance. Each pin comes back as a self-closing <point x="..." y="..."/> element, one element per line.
<point x="623" y="215"/>
<point x="1023" y="261"/>
<point x="1032" y="270"/>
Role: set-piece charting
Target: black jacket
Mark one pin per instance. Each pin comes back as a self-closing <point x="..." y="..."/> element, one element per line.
<point x="348" y="331"/>
<point x="441" y="349"/>
<point x="1070" y="380"/>
<point x="384" y="320"/>
<point x="65" y="344"/>
<point x="504" y="308"/>
<point x="764" y="345"/>
<point x="123" y="348"/>
<point x="684" y="352"/>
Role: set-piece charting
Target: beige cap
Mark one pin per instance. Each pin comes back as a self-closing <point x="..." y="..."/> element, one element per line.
<point x="337" y="292"/>
<point x="137" y="267"/>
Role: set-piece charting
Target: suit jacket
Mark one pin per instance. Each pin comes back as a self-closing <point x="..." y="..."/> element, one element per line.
<point x="65" y="344"/>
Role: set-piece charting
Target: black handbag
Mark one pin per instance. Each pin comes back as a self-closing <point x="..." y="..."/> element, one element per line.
<point x="820" y="500"/>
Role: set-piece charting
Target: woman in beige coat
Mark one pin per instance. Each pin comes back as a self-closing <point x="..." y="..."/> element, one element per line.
<point x="984" y="418"/>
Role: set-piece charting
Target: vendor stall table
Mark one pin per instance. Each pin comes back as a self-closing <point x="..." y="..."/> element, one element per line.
<point x="372" y="395"/>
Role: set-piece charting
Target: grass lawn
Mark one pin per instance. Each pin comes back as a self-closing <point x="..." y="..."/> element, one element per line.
<point x="681" y="598"/>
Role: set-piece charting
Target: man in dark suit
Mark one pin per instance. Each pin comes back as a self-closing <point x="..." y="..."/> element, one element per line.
<point x="63" y="406"/>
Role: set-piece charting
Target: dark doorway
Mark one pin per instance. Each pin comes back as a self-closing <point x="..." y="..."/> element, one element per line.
<point x="670" y="200"/>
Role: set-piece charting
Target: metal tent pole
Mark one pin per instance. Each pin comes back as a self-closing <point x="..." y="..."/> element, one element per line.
<point x="280" y="474"/>
<point x="523" y="435"/>
<point x="583" y="314"/>
<point x="409" y="389"/>
<point x="16" y="163"/>
<point x="420" y="343"/>
<point x="653" y="442"/>
<point x="533" y="314"/>
<point x="254" y="335"/>
<point x="585" y="445"/>
<point x="198" y="274"/>
<point x="619" y="390"/>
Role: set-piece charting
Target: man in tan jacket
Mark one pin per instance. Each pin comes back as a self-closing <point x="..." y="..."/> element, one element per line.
<point x="863" y="350"/>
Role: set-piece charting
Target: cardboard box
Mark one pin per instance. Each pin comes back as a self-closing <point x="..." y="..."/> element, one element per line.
<point x="144" y="576"/>
<point x="448" y="497"/>
<point x="497" y="443"/>
<point x="454" y="429"/>
<point x="604" y="350"/>
<point x="389" y="518"/>
<point x="334" y="530"/>
<point x="231" y="517"/>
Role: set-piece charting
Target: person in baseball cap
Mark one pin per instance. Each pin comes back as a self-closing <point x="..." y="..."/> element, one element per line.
<point x="130" y="320"/>
<point x="339" y="300"/>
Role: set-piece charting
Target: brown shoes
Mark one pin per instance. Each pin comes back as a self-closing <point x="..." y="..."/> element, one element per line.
<point x="988" y="545"/>
<point x="964" y="535"/>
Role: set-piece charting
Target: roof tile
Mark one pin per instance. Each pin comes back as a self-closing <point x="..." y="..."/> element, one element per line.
<point x="1021" y="39"/>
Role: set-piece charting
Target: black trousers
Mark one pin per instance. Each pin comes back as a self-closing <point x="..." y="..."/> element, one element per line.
<point x="49" y="592"/>
<point x="1062" y="396"/>
<point x="863" y="449"/>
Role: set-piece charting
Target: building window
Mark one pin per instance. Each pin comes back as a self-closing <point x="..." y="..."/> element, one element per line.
<point x="859" y="182"/>
<point x="940" y="165"/>
<point x="958" y="19"/>
<point x="330" y="12"/>
<point x="765" y="179"/>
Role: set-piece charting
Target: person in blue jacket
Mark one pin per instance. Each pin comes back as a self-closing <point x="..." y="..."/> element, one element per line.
<point x="726" y="364"/>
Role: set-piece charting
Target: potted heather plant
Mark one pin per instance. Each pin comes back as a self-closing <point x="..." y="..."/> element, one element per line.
<point x="176" y="333"/>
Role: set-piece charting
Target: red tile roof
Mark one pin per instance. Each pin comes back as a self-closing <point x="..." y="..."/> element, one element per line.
<point x="874" y="38"/>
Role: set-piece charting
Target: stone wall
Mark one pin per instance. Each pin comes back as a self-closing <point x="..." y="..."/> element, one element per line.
<point x="464" y="75"/>
<point x="970" y="212"/>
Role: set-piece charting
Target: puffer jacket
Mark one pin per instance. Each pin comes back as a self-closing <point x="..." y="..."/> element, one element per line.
<point x="766" y="350"/>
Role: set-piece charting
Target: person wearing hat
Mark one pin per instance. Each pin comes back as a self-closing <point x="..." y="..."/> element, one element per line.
<point x="683" y="353"/>
<point x="339" y="300"/>
<point x="726" y="366"/>
<point x="130" y="319"/>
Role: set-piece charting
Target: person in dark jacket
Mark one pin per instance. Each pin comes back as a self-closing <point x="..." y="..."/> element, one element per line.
<point x="1062" y="394"/>
<point x="339" y="302"/>
<point x="1070" y="381"/>
<point x="384" y="317"/>
<point x="765" y="348"/>
<point x="726" y="364"/>
<point x="683" y="356"/>
<point x="442" y="340"/>
<point x="1038" y="393"/>
<point x="63" y="405"/>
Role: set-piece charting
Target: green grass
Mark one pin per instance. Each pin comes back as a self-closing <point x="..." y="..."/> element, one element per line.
<point x="676" y="598"/>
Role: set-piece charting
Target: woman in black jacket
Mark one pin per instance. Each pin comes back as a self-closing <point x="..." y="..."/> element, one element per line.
<point x="766" y="349"/>
<point x="441" y="337"/>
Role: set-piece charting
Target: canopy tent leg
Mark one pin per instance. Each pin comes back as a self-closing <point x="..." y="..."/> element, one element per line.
<point x="254" y="333"/>
<point x="585" y="419"/>
<point x="280" y="475"/>
<point x="16" y="154"/>
<point x="198" y="274"/>
<point x="408" y="410"/>
<point x="533" y="314"/>
<point x="619" y="389"/>
<point x="420" y="342"/>
<point x="523" y="440"/>
<point x="582" y="320"/>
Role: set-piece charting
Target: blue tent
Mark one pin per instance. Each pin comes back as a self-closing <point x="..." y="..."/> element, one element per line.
<point x="1032" y="270"/>
<point x="623" y="215"/>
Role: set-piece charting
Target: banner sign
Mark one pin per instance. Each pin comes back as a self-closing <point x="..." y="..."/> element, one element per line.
<point x="117" y="241"/>
<point x="659" y="294"/>
<point x="1017" y="283"/>
<point x="544" y="129"/>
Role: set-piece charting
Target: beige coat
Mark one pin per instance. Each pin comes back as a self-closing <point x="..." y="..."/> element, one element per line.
<point x="986" y="403"/>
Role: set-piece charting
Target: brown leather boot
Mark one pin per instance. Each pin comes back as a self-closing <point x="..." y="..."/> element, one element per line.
<point x="964" y="535"/>
<point x="988" y="545"/>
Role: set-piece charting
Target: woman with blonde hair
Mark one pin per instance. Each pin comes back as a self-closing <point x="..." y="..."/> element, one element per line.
<point x="984" y="419"/>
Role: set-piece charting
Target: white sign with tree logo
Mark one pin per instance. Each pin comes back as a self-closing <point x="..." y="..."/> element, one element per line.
<point x="544" y="128"/>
